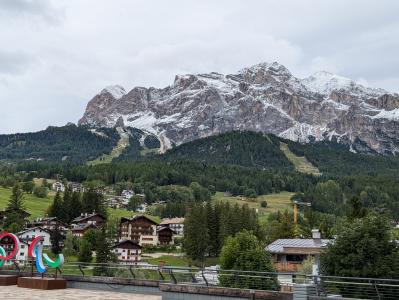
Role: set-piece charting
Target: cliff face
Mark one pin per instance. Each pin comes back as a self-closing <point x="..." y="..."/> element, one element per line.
<point x="266" y="98"/>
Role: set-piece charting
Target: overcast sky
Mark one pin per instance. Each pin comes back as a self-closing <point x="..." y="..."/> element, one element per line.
<point x="56" y="55"/>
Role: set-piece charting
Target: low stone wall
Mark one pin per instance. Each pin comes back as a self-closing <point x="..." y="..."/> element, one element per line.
<point x="168" y="291"/>
<point x="174" y="292"/>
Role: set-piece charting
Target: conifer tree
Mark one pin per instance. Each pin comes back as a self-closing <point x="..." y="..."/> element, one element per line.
<point x="67" y="204"/>
<point x="15" y="221"/>
<point x="16" y="202"/>
<point x="85" y="254"/>
<point x="75" y="208"/>
<point x="104" y="255"/>
<point x="69" y="245"/>
<point x="213" y="230"/>
<point x="196" y="233"/>
<point x="57" y="208"/>
<point x="56" y="239"/>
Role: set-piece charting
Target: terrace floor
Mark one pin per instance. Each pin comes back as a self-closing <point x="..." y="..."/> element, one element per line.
<point x="16" y="293"/>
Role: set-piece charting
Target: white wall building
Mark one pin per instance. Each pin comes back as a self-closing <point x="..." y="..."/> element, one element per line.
<point x="58" y="186"/>
<point x="176" y="224"/>
<point x="127" y="252"/>
<point x="29" y="234"/>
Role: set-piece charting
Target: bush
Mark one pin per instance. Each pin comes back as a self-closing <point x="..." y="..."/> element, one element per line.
<point x="263" y="203"/>
<point x="40" y="191"/>
<point x="250" y="193"/>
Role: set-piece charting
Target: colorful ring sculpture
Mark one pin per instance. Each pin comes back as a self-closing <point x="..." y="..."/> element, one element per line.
<point x="36" y="250"/>
<point x="3" y="254"/>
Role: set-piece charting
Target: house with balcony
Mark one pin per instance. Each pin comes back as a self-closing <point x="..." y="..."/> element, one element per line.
<point x="139" y="229"/>
<point x="176" y="224"/>
<point x="29" y="234"/>
<point x="289" y="254"/>
<point x="127" y="252"/>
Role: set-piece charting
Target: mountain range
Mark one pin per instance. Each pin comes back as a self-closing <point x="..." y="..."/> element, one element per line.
<point x="264" y="98"/>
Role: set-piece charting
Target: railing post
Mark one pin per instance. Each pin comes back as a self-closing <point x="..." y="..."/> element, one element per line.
<point x="131" y="272"/>
<point x="376" y="289"/>
<point x="203" y="276"/>
<point x="81" y="270"/>
<point x="172" y="276"/>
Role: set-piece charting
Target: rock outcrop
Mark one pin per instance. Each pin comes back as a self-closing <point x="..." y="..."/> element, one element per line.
<point x="266" y="98"/>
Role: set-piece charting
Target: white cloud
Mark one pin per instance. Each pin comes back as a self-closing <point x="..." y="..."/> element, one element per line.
<point x="57" y="54"/>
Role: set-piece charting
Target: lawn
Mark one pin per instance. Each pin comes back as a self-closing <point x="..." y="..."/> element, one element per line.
<point x="300" y="162"/>
<point x="179" y="261"/>
<point x="119" y="213"/>
<point x="34" y="205"/>
<point x="275" y="202"/>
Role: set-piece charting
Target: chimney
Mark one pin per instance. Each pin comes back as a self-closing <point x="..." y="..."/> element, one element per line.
<point x="316" y="234"/>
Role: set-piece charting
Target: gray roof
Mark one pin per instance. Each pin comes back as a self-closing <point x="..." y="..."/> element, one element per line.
<point x="278" y="245"/>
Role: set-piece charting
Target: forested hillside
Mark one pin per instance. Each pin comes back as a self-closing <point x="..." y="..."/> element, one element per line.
<point x="70" y="143"/>
<point x="249" y="149"/>
<point x="336" y="159"/>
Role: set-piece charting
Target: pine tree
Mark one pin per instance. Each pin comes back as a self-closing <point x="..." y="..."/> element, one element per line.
<point x="75" y="206"/>
<point x="56" y="239"/>
<point x="15" y="220"/>
<point x="85" y="254"/>
<point x="57" y="208"/>
<point x="196" y="233"/>
<point x="104" y="255"/>
<point x="16" y="202"/>
<point x="69" y="245"/>
<point x="67" y="204"/>
<point x="213" y="230"/>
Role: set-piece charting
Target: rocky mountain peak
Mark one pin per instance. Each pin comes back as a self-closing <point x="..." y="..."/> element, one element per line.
<point x="265" y="98"/>
<point x="116" y="91"/>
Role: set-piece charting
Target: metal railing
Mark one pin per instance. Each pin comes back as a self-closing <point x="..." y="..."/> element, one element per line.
<point x="324" y="286"/>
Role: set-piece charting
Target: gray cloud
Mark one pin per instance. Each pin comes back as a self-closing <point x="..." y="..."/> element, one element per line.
<point x="30" y="8"/>
<point x="57" y="54"/>
<point x="14" y="63"/>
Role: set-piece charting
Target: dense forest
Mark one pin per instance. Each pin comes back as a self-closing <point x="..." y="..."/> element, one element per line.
<point x="70" y="143"/>
<point x="248" y="149"/>
<point x="242" y="163"/>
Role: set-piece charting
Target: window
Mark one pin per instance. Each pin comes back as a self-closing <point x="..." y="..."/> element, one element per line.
<point x="295" y="258"/>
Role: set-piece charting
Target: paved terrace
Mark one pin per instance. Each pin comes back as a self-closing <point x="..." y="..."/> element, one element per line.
<point x="16" y="293"/>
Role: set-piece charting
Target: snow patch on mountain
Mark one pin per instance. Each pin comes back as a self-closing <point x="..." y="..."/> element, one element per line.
<point x="265" y="97"/>
<point x="116" y="91"/>
<point x="301" y="132"/>
<point x="388" y="114"/>
<point x="143" y="120"/>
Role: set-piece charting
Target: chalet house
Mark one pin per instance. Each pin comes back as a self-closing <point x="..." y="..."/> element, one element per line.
<point x="96" y="219"/>
<point x="80" y="229"/>
<point x="3" y="214"/>
<point x="289" y="254"/>
<point x="22" y="254"/>
<point x="29" y="234"/>
<point x="58" y="186"/>
<point x="165" y="235"/>
<point x="76" y="187"/>
<point x="176" y="224"/>
<point x="49" y="223"/>
<point x="127" y="194"/>
<point x="139" y="229"/>
<point x="127" y="252"/>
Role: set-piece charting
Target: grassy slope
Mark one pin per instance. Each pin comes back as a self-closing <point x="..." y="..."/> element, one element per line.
<point x="36" y="206"/>
<point x="275" y="202"/>
<point x="300" y="162"/>
<point x="116" y="151"/>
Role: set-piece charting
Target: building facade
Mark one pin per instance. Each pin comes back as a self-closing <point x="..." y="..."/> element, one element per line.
<point x="176" y="224"/>
<point x="127" y="252"/>
<point x="139" y="229"/>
